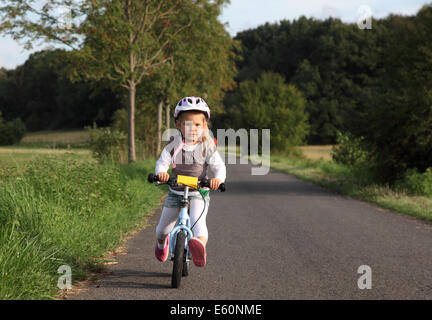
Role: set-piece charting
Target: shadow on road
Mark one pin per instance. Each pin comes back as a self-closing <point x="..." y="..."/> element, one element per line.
<point x="116" y="280"/>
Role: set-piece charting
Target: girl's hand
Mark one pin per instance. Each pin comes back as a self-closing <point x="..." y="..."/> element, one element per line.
<point x="163" y="176"/>
<point x="215" y="183"/>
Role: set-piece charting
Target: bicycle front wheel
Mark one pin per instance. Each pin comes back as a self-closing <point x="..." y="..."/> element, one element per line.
<point x="179" y="255"/>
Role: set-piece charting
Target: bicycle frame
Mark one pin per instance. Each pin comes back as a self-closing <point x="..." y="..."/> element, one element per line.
<point x="183" y="224"/>
<point x="180" y="254"/>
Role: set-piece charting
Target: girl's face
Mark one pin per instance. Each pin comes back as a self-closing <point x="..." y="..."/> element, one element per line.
<point x="192" y="126"/>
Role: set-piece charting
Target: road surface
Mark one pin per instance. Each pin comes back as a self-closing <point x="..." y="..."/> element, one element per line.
<point x="278" y="237"/>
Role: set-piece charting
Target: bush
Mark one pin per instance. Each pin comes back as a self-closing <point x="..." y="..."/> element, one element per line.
<point x="348" y="149"/>
<point x="416" y="182"/>
<point x="11" y="132"/>
<point x="269" y="102"/>
<point x="107" y="144"/>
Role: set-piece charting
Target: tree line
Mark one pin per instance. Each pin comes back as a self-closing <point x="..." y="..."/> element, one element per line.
<point x="39" y="93"/>
<point x="153" y="51"/>
<point x="306" y="79"/>
<point x="373" y="84"/>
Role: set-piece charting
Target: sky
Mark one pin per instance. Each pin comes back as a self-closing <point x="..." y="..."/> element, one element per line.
<point x="246" y="14"/>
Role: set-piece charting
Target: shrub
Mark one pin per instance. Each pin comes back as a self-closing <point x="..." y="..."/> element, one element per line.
<point x="11" y="132"/>
<point x="269" y="102"/>
<point x="348" y="149"/>
<point x="416" y="182"/>
<point x="107" y="144"/>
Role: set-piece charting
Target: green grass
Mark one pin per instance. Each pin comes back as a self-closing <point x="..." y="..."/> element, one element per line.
<point x="17" y="157"/>
<point x="356" y="183"/>
<point x="59" y="210"/>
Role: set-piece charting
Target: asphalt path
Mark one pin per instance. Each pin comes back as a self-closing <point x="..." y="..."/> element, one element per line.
<point x="278" y="237"/>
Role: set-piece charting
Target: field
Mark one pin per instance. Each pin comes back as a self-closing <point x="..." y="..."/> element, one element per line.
<point x="57" y="137"/>
<point x="45" y="143"/>
<point x="316" y="152"/>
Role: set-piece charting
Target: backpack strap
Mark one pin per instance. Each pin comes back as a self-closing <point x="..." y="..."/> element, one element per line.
<point x="175" y="152"/>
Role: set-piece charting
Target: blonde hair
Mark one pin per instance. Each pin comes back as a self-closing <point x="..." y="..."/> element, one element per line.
<point x="208" y="141"/>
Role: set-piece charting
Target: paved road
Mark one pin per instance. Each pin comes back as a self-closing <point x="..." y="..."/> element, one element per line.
<point x="277" y="237"/>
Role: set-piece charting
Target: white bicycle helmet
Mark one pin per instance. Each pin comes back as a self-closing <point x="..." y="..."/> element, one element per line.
<point x="192" y="103"/>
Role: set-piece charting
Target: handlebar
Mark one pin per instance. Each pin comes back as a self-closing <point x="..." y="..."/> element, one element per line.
<point x="173" y="182"/>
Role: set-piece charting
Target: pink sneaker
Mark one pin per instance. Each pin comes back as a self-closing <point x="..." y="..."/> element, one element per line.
<point x="198" y="252"/>
<point x="162" y="254"/>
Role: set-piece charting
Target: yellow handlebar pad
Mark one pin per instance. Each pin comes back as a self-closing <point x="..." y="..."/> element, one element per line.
<point x="188" y="181"/>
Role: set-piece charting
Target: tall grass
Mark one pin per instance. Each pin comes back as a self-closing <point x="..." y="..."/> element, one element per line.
<point x="62" y="211"/>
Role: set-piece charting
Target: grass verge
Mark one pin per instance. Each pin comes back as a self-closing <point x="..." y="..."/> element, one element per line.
<point x="65" y="211"/>
<point x="354" y="182"/>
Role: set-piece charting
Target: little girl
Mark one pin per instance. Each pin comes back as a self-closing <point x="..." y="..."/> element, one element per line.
<point x="190" y="154"/>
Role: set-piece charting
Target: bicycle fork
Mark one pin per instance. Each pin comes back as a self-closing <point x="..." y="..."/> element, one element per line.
<point x="182" y="225"/>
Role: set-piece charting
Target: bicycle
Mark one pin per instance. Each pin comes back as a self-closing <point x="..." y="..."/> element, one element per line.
<point x="182" y="231"/>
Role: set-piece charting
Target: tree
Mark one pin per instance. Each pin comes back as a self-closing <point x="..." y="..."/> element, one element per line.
<point x="331" y="63"/>
<point x="203" y="60"/>
<point x="269" y="102"/>
<point x="201" y="64"/>
<point x="124" y="40"/>
<point x="11" y="132"/>
<point x="397" y="124"/>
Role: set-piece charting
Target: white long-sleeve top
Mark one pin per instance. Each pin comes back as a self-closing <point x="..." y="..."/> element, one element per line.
<point x="215" y="163"/>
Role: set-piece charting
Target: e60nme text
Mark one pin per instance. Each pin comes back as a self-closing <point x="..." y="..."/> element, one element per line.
<point x="218" y="309"/>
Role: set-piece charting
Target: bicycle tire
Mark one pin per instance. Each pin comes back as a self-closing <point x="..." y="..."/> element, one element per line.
<point x="179" y="254"/>
<point x="186" y="265"/>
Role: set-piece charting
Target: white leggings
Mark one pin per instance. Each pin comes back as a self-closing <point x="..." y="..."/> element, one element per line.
<point x="169" y="218"/>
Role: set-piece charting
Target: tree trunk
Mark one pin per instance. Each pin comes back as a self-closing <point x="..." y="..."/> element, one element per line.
<point x="159" y="127"/>
<point x="167" y="116"/>
<point x="131" y="124"/>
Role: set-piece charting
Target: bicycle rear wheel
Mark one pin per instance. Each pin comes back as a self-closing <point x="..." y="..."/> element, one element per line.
<point x="179" y="256"/>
